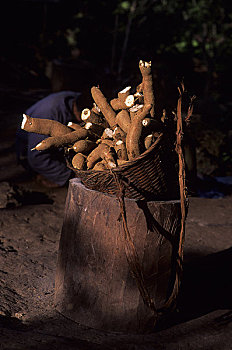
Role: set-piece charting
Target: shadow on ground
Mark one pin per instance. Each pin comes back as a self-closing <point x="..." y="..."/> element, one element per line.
<point x="206" y="286"/>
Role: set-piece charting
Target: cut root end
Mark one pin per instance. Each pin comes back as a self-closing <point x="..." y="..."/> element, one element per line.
<point x="24" y="121"/>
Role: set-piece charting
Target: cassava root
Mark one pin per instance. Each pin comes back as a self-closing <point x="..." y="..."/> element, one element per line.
<point x="44" y="126"/>
<point x="111" y="133"/>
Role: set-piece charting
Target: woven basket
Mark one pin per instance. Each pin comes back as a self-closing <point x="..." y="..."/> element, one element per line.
<point x="151" y="176"/>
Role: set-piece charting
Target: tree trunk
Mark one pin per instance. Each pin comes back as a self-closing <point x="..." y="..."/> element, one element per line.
<point x="95" y="284"/>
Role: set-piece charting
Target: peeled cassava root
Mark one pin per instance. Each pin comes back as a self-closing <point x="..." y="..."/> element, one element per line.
<point x="111" y="132"/>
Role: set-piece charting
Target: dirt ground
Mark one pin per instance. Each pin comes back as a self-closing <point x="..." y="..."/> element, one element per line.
<point x="31" y="219"/>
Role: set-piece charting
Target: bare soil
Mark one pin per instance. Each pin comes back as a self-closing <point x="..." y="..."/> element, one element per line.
<point x="31" y="218"/>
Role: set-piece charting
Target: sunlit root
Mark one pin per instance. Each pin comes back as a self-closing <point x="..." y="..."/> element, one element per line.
<point x="150" y="139"/>
<point x="89" y="115"/>
<point x="96" y="109"/>
<point x="134" y="134"/>
<point x="152" y="124"/>
<point x="113" y="133"/>
<point x="108" y="134"/>
<point x="119" y="134"/>
<point x="94" y="129"/>
<point x="121" y="161"/>
<point x="121" y="151"/>
<point x="152" y="129"/>
<point x="107" y="138"/>
<point x="85" y="114"/>
<point x="123" y="120"/>
<point x="107" y="142"/>
<point x="139" y="89"/>
<point x="78" y="161"/>
<point x="147" y="85"/>
<point x="138" y="97"/>
<point x="74" y="126"/>
<point x="125" y="100"/>
<point x="100" y="166"/>
<point x="104" y="106"/>
<point x="84" y="146"/>
<point x="61" y="141"/>
<point x="101" y="152"/>
<point x="44" y="126"/>
<point x="133" y="110"/>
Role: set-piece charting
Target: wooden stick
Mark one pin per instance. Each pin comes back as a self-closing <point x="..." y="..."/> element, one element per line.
<point x="183" y="201"/>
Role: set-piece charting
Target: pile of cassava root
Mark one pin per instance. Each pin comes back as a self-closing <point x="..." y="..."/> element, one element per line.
<point x="111" y="133"/>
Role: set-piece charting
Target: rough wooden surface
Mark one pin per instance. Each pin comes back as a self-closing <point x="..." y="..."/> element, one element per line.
<point x="94" y="284"/>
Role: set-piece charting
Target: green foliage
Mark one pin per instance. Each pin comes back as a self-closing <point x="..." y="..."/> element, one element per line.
<point x="123" y="6"/>
<point x="102" y="29"/>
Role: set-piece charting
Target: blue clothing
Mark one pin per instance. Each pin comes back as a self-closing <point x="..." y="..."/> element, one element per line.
<point x="50" y="164"/>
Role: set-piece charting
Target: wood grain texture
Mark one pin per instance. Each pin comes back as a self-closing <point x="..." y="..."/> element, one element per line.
<point x="94" y="284"/>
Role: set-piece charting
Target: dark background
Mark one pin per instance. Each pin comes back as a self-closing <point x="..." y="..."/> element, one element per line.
<point x="55" y="45"/>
